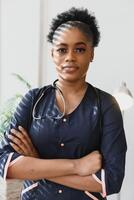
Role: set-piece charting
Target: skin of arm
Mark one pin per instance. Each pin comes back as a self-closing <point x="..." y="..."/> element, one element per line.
<point x="85" y="183"/>
<point x="73" y="173"/>
<point x="36" y="168"/>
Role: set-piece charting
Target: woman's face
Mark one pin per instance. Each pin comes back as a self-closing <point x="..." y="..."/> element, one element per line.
<point x="72" y="53"/>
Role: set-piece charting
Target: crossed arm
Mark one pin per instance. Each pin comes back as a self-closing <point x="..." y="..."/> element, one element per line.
<point x="74" y="173"/>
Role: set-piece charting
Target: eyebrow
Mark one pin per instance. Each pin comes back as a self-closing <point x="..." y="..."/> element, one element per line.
<point x="64" y="44"/>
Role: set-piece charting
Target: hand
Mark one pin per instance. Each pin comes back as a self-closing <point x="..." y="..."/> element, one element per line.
<point x="22" y="143"/>
<point x="89" y="164"/>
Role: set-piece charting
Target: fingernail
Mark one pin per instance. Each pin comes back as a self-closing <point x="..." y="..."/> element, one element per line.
<point x="20" y="127"/>
<point x="11" y="143"/>
<point x="12" y="130"/>
<point x="10" y="136"/>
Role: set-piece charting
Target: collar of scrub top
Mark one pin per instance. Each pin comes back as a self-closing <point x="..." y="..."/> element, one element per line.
<point x="43" y="92"/>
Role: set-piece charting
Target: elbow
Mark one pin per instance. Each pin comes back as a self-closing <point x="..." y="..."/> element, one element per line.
<point x="113" y="185"/>
<point x="11" y="174"/>
<point x="113" y="190"/>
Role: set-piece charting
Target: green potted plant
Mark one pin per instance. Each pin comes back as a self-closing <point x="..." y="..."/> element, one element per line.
<point x="8" y="108"/>
<point x="10" y="189"/>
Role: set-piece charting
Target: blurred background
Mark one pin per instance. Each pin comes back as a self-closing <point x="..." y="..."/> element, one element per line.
<point x="24" y="50"/>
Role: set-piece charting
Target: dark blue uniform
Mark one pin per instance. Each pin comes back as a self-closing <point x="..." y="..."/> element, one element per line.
<point x="91" y="126"/>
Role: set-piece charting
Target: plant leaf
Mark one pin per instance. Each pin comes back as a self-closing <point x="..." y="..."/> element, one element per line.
<point x="22" y="80"/>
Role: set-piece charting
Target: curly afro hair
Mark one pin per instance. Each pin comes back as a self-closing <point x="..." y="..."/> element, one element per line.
<point x="79" y="15"/>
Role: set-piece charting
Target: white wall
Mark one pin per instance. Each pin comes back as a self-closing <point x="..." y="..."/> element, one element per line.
<point x="23" y="49"/>
<point x="19" y="44"/>
<point x="113" y="61"/>
<point x="0" y="48"/>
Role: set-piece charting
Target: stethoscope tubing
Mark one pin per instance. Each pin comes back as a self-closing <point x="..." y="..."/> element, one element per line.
<point x="41" y="96"/>
<point x="35" y="117"/>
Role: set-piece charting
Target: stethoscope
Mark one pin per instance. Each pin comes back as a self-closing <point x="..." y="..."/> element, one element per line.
<point x="54" y="85"/>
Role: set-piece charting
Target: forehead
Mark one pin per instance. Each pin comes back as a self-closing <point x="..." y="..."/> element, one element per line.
<point x="70" y="35"/>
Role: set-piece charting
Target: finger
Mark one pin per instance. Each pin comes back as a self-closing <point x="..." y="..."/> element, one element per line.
<point x="16" y="148"/>
<point x="18" y="142"/>
<point x="24" y="132"/>
<point x="22" y="138"/>
<point x="15" y="139"/>
<point x="17" y="133"/>
<point x="30" y="145"/>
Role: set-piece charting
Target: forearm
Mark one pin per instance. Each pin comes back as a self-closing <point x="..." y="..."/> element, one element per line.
<point x="34" y="168"/>
<point x="85" y="183"/>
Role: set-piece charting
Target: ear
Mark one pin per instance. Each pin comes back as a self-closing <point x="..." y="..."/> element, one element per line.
<point x="52" y="52"/>
<point x="92" y="55"/>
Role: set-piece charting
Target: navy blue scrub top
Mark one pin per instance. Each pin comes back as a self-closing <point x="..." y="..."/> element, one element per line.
<point x="72" y="136"/>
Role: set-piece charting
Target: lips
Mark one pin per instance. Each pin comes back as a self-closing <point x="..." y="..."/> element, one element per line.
<point x="70" y="68"/>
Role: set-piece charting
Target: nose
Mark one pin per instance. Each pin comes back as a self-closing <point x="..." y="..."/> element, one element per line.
<point x="70" y="57"/>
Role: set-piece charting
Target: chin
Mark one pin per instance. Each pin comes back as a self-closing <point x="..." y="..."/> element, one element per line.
<point x="69" y="78"/>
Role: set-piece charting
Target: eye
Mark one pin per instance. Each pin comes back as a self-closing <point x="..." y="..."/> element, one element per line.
<point x="80" y="50"/>
<point x="62" y="50"/>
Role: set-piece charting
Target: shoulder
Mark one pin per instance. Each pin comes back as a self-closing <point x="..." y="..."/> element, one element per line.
<point x="107" y="100"/>
<point x="106" y="97"/>
<point x="35" y="92"/>
<point x="109" y="107"/>
<point x="29" y="98"/>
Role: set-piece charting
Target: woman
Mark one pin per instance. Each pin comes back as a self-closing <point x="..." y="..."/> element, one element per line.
<point x="67" y="140"/>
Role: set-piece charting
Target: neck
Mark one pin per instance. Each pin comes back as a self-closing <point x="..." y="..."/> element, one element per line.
<point x="72" y="93"/>
<point x="71" y="87"/>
